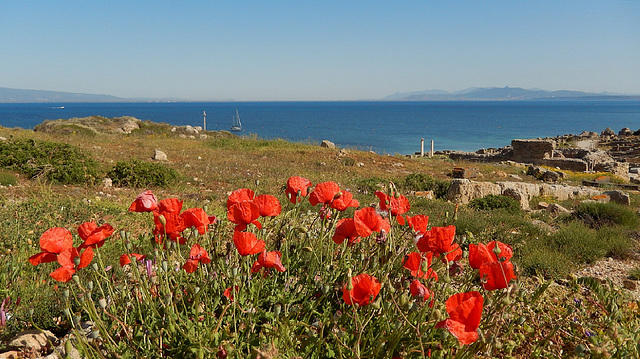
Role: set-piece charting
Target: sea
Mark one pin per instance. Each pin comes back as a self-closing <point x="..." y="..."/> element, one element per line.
<point x="382" y="127"/>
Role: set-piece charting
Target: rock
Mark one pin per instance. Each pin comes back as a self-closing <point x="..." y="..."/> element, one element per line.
<point x="198" y="128"/>
<point x="12" y="354"/>
<point x="543" y="205"/>
<point x="190" y="130"/>
<point x="33" y="341"/>
<point x="625" y="132"/>
<point x="515" y="177"/>
<point x="3" y="138"/>
<point x="327" y="144"/>
<point x="424" y="194"/>
<point x="130" y="125"/>
<point x="608" y="132"/>
<point x="107" y="182"/>
<point x="203" y="136"/>
<point x="465" y="172"/>
<point x="182" y="135"/>
<point x="158" y="155"/>
<point x="359" y="164"/>
<point x="343" y="152"/>
<point x="619" y="197"/>
<point x="629" y="284"/>
<point x="556" y="209"/>
<point x="397" y="164"/>
<point x="601" y="198"/>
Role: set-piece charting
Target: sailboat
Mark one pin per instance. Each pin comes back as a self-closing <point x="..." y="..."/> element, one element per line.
<point x="236" y="125"/>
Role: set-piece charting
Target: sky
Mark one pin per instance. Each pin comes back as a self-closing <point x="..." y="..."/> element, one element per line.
<point x="317" y="50"/>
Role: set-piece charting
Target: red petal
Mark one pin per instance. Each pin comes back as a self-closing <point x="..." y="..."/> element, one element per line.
<point x="42" y="257"/>
<point x="62" y="274"/>
<point x="55" y="240"/>
<point x="144" y="202"/>
<point x="497" y="275"/>
<point x="247" y="243"/>
<point x="297" y="184"/>
<point x="324" y="193"/>
<point x="171" y="205"/>
<point x="240" y="195"/>
<point x="196" y="217"/>
<point x="268" y="205"/>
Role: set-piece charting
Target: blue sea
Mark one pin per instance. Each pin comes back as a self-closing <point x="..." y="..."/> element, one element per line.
<point x="383" y="127"/>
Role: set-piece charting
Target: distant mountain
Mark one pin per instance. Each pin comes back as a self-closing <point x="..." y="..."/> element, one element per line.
<point x="11" y="95"/>
<point x="504" y="94"/>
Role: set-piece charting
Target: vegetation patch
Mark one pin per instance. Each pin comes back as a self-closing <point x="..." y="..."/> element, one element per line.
<point x="424" y="182"/>
<point x="56" y="162"/>
<point x="493" y="202"/>
<point x="597" y="215"/>
<point x="136" y="173"/>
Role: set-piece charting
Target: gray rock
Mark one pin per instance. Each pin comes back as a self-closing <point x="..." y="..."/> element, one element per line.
<point x="327" y="144"/>
<point x="619" y="197"/>
<point x="107" y="182"/>
<point x="190" y="130"/>
<point x="158" y="155"/>
<point x="33" y="341"/>
<point x="556" y="209"/>
<point x="608" y="132"/>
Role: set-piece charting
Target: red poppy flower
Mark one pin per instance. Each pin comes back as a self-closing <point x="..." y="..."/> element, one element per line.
<point x="419" y="290"/>
<point x="52" y="242"/>
<point x="367" y="220"/>
<point x="243" y="213"/>
<point x="94" y="236"/>
<point x="346" y="229"/>
<point x="454" y="255"/>
<point x="343" y="201"/>
<point x="144" y="202"/>
<point x="196" y="217"/>
<point x="66" y="259"/>
<point x="437" y="240"/>
<point x="365" y="289"/>
<point x="480" y="253"/>
<point x="169" y="209"/>
<point x="496" y="275"/>
<point x="196" y="255"/>
<point x="268" y="260"/>
<point x="247" y="243"/>
<point x="297" y="185"/>
<point x="419" y="223"/>
<point x="229" y="292"/>
<point x="465" y="311"/>
<point x="126" y="259"/>
<point x="240" y="195"/>
<point x="324" y="193"/>
<point x="413" y="262"/>
<point x="268" y="205"/>
<point x="396" y="206"/>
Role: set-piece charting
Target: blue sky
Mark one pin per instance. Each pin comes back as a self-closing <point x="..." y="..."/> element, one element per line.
<point x="317" y="50"/>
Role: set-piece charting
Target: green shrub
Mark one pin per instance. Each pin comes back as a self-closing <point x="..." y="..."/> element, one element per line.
<point x="581" y="243"/>
<point x="597" y="215"/>
<point x="369" y="185"/>
<point x="492" y="202"/>
<point x="55" y="162"/>
<point x="8" y="178"/>
<point x="634" y="273"/>
<point x="424" y="182"/>
<point x="136" y="173"/>
<point x="536" y="258"/>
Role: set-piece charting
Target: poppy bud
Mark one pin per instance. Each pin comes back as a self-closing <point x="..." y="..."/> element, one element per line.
<point x="425" y="266"/>
<point x="444" y="334"/>
<point x="68" y="346"/>
<point x="520" y="320"/>
<point x="102" y="303"/>
<point x="123" y="234"/>
<point x="302" y="229"/>
<point x="326" y="288"/>
<point x="127" y="245"/>
<point x="579" y="349"/>
<point x="29" y="241"/>
<point x="307" y="249"/>
<point x="234" y="271"/>
<point x="66" y="312"/>
<point x="162" y="220"/>
<point x="165" y="266"/>
<point x="257" y="182"/>
<point x="437" y="315"/>
<point x="76" y="261"/>
<point x="90" y="285"/>
<point x="497" y="250"/>
<point x="277" y="309"/>
<point x="349" y="285"/>
<point x="94" y="266"/>
<point x="404" y="299"/>
<point x="65" y="293"/>
<point x="30" y="311"/>
<point x="76" y="279"/>
<point x="94" y="334"/>
<point x="76" y="319"/>
<point x="337" y="195"/>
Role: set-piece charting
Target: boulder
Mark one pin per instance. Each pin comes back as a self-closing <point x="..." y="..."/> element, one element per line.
<point x="465" y="172"/>
<point x="625" y="132"/>
<point x="327" y="144"/>
<point x="619" y="197"/>
<point x="34" y="341"/>
<point x="129" y="125"/>
<point x="607" y="132"/>
<point x="190" y="130"/>
<point x="158" y="155"/>
<point x="556" y="209"/>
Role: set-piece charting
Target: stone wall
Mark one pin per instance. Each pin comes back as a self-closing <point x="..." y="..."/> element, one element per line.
<point x="464" y="190"/>
<point x="532" y="150"/>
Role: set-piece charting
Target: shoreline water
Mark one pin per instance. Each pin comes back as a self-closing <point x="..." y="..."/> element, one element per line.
<point x="384" y="127"/>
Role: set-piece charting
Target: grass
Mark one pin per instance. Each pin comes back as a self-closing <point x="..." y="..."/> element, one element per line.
<point x="301" y="311"/>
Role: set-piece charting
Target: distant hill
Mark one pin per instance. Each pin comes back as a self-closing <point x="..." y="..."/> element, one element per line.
<point x="504" y="94"/>
<point x="11" y="95"/>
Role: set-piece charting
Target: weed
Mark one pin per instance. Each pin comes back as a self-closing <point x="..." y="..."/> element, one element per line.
<point x="597" y="215"/>
<point x="56" y="162"/>
<point x="424" y="182"/>
<point x="8" y="178"/>
<point x="136" y="173"/>
<point x="634" y="273"/>
<point x="492" y="202"/>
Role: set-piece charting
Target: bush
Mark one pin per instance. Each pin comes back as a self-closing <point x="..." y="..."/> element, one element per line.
<point x="136" y="173"/>
<point x="597" y="215"/>
<point x="424" y="182"/>
<point x="8" y="178"/>
<point x="55" y="162"/>
<point x="492" y="202"/>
